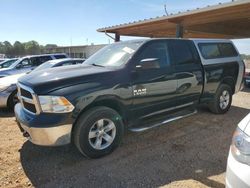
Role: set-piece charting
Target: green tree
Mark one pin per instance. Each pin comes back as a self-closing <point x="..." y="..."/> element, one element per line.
<point x="8" y="48"/>
<point x="42" y="49"/>
<point x="32" y="48"/>
<point x="18" y="49"/>
<point x="244" y="56"/>
<point x="2" y="48"/>
<point x="22" y="49"/>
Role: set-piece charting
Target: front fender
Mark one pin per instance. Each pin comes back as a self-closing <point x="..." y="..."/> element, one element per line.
<point x="85" y="95"/>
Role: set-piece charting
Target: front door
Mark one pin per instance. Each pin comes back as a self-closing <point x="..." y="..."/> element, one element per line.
<point x="22" y="67"/>
<point x="153" y="81"/>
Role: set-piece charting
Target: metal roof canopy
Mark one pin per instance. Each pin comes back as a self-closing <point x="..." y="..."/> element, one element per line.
<point x="229" y="20"/>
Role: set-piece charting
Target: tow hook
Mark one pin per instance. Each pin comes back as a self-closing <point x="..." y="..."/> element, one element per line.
<point x="26" y="134"/>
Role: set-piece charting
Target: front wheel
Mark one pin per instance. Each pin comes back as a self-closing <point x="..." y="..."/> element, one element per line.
<point x="12" y="100"/>
<point x="222" y="100"/>
<point x="98" y="132"/>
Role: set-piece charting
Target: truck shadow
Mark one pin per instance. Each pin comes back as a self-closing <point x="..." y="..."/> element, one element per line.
<point x="194" y="148"/>
<point x="246" y="89"/>
<point x="5" y="113"/>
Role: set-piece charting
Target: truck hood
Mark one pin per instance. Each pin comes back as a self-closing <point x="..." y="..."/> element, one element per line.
<point x="48" y="80"/>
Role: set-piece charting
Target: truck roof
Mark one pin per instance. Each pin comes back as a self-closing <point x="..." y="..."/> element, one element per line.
<point x="192" y="39"/>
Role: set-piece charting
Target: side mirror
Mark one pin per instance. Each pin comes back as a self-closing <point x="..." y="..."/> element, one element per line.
<point x="19" y="66"/>
<point x="149" y="63"/>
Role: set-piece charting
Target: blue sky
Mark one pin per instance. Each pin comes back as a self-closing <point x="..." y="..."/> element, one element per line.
<point x="62" y="21"/>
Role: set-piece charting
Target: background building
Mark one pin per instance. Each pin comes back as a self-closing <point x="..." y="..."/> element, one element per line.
<point x="75" y="51"/>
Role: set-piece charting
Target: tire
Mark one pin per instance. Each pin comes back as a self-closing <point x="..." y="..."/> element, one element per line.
<point x="12" y="100"/>
<point x="246" y="84"/>
<point x="87" y="135"/>
<point x="222" y="100"/>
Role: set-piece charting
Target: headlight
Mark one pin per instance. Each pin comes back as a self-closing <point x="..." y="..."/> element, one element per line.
<point x="3" y="87"/>
<point x="55" y="104"/>
<point x="241" y="147"/>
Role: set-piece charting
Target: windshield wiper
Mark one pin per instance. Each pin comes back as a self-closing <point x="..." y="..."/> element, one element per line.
<point x="97" y="65"/>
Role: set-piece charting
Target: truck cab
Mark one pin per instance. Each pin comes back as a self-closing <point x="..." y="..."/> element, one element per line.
<point x="134" y="85"/>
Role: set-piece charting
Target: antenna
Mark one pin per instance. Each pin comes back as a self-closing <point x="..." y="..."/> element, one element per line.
<point x="165" y="8"/>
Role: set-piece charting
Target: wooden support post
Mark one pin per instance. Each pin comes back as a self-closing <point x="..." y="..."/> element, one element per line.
<point x="117" y="37"/>
<point x="179" y="31"/>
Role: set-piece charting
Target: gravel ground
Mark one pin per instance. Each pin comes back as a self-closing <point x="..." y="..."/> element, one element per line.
<point x="191" y="152"/>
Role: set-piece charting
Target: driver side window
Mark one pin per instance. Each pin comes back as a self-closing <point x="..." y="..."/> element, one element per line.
<point x="154" y="55"/>
<point x="25" y="63"/>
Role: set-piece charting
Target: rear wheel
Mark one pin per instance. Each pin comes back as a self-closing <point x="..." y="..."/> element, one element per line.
<point x="222" y="100"/>
<point x="98" y="132"/>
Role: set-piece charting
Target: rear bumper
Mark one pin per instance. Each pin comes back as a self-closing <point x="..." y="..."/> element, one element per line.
<point x="237" y="174"/>
<point x="52" y="130"/>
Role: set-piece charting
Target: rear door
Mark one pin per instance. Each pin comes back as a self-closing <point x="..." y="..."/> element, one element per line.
<point x="188" y="71"/>
<point x="36" y="61"/>
<point x="153" y="87"/>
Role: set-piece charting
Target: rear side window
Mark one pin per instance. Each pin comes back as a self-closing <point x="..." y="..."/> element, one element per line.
<point x="181" y="52"/>
<point x="227" y="50"/>
<point x="36" y="61"/>
<point x="68" y="63"/>
<point x="209" y="51"/>
<point x="79" y="61"/>
<point x="25" y="63"/>
<point x="217" y="50"/>
<point x="60" y="56"/>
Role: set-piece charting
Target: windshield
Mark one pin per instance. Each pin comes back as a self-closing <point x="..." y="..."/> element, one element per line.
<point x="114" y="55"/>
<point x="14" y="64"/>
<point x="7" y="63"/>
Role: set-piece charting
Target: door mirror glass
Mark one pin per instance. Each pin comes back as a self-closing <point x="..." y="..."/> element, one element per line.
<point x="149" y="63"/>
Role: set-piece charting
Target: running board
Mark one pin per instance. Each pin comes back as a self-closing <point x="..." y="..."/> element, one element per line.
<point x="140" y="129"/>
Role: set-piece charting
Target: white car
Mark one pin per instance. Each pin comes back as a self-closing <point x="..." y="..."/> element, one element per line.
<point x="8" y="88"/>
<point x="238" y="164"/>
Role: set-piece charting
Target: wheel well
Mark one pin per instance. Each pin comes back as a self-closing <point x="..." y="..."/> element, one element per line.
<point x="230" y="82"/>
<point x="107" y="103"/>
<point x="9" y="98"/>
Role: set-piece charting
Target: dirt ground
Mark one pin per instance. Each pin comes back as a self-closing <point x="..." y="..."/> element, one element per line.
<point x="191" y="152"/>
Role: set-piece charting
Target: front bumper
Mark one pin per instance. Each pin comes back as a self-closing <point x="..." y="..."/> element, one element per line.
<point x="238" y="174"/>
<point x="44" y="129"/>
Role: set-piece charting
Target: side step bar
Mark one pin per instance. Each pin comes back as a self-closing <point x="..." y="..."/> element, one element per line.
<point x="140" y="129"/>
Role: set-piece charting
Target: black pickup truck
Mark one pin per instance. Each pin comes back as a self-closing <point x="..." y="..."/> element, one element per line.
<point x="134" y="85"/>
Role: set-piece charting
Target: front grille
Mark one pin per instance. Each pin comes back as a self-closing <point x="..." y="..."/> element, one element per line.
<point x="25" y="93"/>
<point x="28" y="99"/>
<point x="29" y="107"/>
